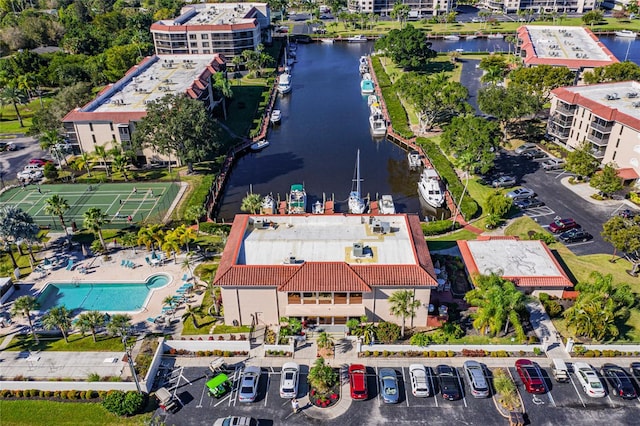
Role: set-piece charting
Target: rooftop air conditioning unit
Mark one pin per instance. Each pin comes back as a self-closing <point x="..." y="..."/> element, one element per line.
<point x="358" y="250"/>
<point x="612" y="97"/>
<point x="632" y="95"/>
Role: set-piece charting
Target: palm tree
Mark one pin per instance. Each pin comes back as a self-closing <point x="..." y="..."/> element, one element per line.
<point x="367" y="331"/>
<point x="167" y="301"/>
<point x="321" y="376"/>
<point x="14" y="96"/>
<point x="57" y="206"/>
<point x="187" y="263"/>
<point x="101" y="152"/>
<point x="16" y="225"/>
<point x="192" y="312"/>
<point x="119" y="325"/>
<point x="83" y="161"/>
<point x="251" y="203"/>
<point x="150" y="236"/>
<point x="195" y="212"/>
<point x="58" y="317"/>
<point x="91" y="321"/>
<point x="324" y="341"/>
<point x="94" y="220"/>
<point x="171" y="244"/>
<point x="119" y="165"/>
<point x="222" y="88"/>
<point x="403" y="304"/>
<point x="23" y="306"/>
<point x="185" y="235"/>
<point x="130" y="239"/>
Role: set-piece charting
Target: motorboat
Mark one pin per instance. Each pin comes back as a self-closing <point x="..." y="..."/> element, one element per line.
<point x="356" y="203"/>
<point x="327" y="40"/>
<point x="262" y="144"/>
<point x="318" y="207"/>
<point x="495" y="36"/>
<point x="377" y="122"/>
<point x="284" y="83"/>
<point x="385" y="205"/>
<point x="363" y="65"/>
<point x="471" y="37"/>
<point x="367" y="87"/>
<point x="414" y="159"/>
<point x="372" y="100"/>
<point x="626" y="33"/>
<point x="297" y="199"/>
<point x="276" y="116"/>
<point x="451" y="37"/>
<point x="357" y="39"/>
<point x="268" y="205"/>
<point x="430" y="187"/>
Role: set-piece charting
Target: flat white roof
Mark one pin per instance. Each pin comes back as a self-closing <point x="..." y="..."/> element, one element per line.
<point x="153" y="79"/>
<point x="557" y="42"/>
<point x="621" y="96"/>
<point x="213" y="14"/>
<point x="326" y="238"/>
<point x="513" y="258"/>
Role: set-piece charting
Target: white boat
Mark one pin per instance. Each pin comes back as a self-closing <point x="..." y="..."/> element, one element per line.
<point x="276" y="116"/>
<point x="356" y="203"/>
<point x="318" y="207"/>
<point x="377" y="123"/>
<point x="357" y="39"/>
<point x="430" y="188"/>
<point x="297" y="199"/>
<point x="284" y="83"/>
<point x="268" y="205"/>
<point x="471" y="37"/>
<point x="327" y="40"/>
<point x="372" y="100"/>
<point x="367" y="87"/>
<point x="451" y="37"/>
<point x="386" y="206"/>
<point x="626" y="33"/>
<point x="495" y="36"/>
<point x="414" y="159"/>
<point x="259" y="145"/>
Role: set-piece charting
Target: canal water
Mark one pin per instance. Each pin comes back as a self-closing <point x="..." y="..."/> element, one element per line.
<point x="325" y="121"/>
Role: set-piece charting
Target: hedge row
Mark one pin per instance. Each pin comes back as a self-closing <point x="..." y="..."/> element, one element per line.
<point x="262" y="107"/>
<point x="469" y="207"/>
<point x="35" y="393"/>
<point x="437" y="227"/>
<point x="397" y="114"/>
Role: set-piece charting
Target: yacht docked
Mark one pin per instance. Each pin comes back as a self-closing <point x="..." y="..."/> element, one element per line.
<point x="367" y="87"/>
<point x="318" y="207"/>
<point x="495" y="36"/>
<point x="363" y="65"/>
<point x="386" y="206"/>
<point x="372" y="100"/>
<point x="414" y="159"/>
<point x="268" y="205"/>
<point x="327" y="40"/>
<point x="259" y="145"/>
<point x="626" y="34"/>
<point x="377" y="122"/>
<point x="284" y="83"/>
<point x="276" y="116"/>
<point x="356" y="203"/>
<point x="357" y="39"/>
<point x="430" y="188"/>
<point x="297" y="199"/>
<point x="451" y="37"/>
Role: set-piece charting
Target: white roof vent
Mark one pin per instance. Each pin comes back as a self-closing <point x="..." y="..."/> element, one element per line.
<point x="612" y="96"/>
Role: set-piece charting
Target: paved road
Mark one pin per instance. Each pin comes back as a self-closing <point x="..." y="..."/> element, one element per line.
<point x="11" y="162"/>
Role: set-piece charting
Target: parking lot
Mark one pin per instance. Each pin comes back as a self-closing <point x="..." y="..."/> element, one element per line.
<point x="559" y="201"/>
<point x="563" y="403"/>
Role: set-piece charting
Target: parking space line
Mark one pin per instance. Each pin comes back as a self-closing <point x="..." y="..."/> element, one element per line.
<point x="404" y="380"/>
<point x="204" y="389"/>
<point x="222" y="400"/>
<point x="611" y="400"/>
<point x="577" y="392"/>
<point x="464" y="397"/>
<point x="553" y="402"/>
<point x="378" y="389"/>
<point x="266" y="394"/>
<point x="433" y="388"/>
<point x="236" y="384"/>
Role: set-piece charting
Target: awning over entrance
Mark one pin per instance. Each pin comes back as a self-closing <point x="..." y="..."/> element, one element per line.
<point x="628" y="174"/>
<point x="324" y="310"/>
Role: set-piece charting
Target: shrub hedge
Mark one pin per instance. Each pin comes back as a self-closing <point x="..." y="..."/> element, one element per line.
<point x="437" y="227"/>
<point x="469" y="207"/>
<point x="397" y="113"/>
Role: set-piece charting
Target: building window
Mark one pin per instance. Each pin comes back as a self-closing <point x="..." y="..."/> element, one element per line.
<point x="205" y="44"/>
<point x="194" y="52"/>
<point x="206" y="51"/>
<point x="308" y="298"/>
<point x="355" y="298"/>
<point x="193" y="44"/>
<point x="293" y="298"/>
<point x="339" y="320"/>
<point x="192" y="37"/>
<point x="340" y="298"/>
<point x="205" y="36"/>
<point x="324" y="298"/>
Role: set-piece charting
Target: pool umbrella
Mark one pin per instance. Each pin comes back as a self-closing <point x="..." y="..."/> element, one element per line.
<point x="84" y="251"/>
<point x="154" y="255"/>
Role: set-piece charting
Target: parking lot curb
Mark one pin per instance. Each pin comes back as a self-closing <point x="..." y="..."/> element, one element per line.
<point x="337" y="410"/>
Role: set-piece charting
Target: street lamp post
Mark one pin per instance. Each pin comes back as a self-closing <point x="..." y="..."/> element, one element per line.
<point x="127" y="350"/>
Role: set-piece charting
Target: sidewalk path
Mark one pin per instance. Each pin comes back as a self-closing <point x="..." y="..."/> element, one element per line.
<point x="546" y="331"/>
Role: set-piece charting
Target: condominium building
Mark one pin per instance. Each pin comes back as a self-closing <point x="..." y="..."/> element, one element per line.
<point x="323" y="269"/>
<point x="605" y="116"/>
<point x="207" y="28"/>
<point x="419" y="8"/>
<point x="110" y="118"/>
<point x="540" y="6"/>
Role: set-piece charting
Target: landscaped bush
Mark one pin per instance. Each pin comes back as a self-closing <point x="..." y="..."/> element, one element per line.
<point x="437" y="227"/>
<point x="468" y="207"/>
<point x="211" y="227"/>
<point x="397" y="113"/>
<point x="387" y="332"/>
<point x="123" y="404"/>
<point x="543" y="236"/>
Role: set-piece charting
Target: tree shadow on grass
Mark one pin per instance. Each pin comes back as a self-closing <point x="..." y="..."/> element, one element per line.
<point x="436" y="67"/>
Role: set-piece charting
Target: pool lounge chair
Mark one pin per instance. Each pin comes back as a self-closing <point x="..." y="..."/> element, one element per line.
<point x="152" y="320"/>
<point x="70" y="265"/>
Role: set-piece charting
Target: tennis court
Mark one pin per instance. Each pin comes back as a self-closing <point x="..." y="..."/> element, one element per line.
<point x="122" y="202"/>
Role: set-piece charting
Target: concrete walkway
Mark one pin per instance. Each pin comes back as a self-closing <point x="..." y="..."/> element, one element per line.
<point x="546" y="331"/>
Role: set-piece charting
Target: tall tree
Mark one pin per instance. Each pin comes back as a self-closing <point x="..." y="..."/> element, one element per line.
<point x="581" y="162"/>
<point x="251" y="203"/>
<point x="91" y="321"/>
<point x="402" y="303"/>
<point x="407" y="47"/>
<point x="14" y="96"/>
<point x="23" y="306"/>
<point x="400" y="12"/>
<point x="507" y="105"/>
<point x="181" y="126"/>
<point x="57" y="206"/>
<point x="474" y="139"/>
<point x="194" y="213"/>
<point x="103" y="154"/>
<point x="623" y="234"/>
<point x="58" y="317"/>
<point x="192" y="312"/>
<point x="17" y="225"/>
<point x="185" y="235"/>
<point x="541" y="80"/>
<point x="620" y="71"/>
<point x="171" y="244"/>
<point x="94" y="220"/>
<point x="607" y="180"/>
<point x="119" y="325"/>
<point x="495" y="68"/>
<point x="151" y="236"/>
<point x="222" y="89"/>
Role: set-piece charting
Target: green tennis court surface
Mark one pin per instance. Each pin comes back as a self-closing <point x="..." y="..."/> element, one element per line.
<point x="148" y="202"/>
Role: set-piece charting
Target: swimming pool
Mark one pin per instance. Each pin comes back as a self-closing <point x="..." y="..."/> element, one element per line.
<point x="104" y="297"/>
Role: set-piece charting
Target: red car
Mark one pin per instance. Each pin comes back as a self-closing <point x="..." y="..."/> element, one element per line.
<point x="358" y="381"/>
<point x="561" y="225"/>
<point x="39" y="161"/>
<point x="531" y="376"/>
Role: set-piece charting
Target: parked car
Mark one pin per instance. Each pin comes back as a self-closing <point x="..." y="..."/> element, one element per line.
<point x="249" y="384"/>
<point x="389" y="385"/>
<point x="504" y="182"/>
<point x="29" y="175"/>
<point x="553" y="164"/>
<point x="40" y="161"/>
<point x="528" y="203"/>
<point x="562" y="225"/>
<point x="628" y="214"/>
<point x="635" y="370"/>
<point x="289" y="380"/>
<point x="619" y="380"/>
<point x="574" y="235"/>
<point x="531" y="376"/>
<point x="419" y="380"/>
<point x="358" y="381"/>
<point x="236" y="421"/>
<point x="476" y="378"/>
<point x="521" y="194"/>
<point x="535" y="154"/>
<point x="526" y="147"/>
<point x="589" y="380"/>
<point x="449" y="382"/>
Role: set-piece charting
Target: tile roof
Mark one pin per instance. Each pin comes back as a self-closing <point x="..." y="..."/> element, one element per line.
<point x="627" y="173"/>
<point x="325" y="276"/>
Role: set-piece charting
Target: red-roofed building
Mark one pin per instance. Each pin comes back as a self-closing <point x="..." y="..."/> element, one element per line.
<point x="323" y="269"/>
<point x="206" y="28"/>
<point x="529" y="264"/>
<point x="606" y="116"/>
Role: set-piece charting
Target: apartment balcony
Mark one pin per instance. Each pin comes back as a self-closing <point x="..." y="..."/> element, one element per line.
<point x="600" y="140"/>
<point x="558" y="133"/>
<point x="560" y="120"/>
<point x="598" y="153"/>
<point x="565" y="109"/>
<point x="603" y="128"/>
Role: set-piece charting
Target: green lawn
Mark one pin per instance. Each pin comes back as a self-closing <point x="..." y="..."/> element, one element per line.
<point x="9" y="124"/>
<point x="45" y="413"/>
<point x="77" y="343"/>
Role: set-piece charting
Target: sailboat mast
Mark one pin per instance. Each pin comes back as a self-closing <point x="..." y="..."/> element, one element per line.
<point x="358" y="173"/>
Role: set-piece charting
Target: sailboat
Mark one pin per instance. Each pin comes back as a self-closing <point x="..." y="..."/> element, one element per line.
<point x="356" y="203"/>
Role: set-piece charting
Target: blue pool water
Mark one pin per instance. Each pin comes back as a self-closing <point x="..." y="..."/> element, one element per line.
<point x="104" y="297"/>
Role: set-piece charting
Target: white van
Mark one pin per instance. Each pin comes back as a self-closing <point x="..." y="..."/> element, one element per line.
<point x="32" y="167"/>
<point x="560" y="370"/>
